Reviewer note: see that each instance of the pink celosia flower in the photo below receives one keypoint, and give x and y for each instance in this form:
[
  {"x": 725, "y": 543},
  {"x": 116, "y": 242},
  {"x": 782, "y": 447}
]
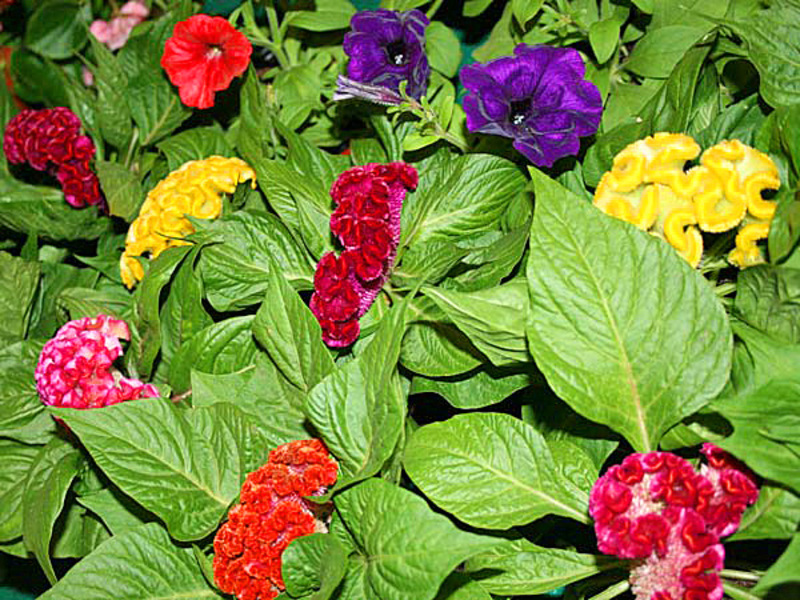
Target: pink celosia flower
[
  {"x": 271, "y": 513},
  {"x": 115, "y": 32},
  {"x": 657, "y": 509},
  {"x": 50, "y": 140},
  {"x": 76, "y": 369},
  {"x": 366, "y": 221}
]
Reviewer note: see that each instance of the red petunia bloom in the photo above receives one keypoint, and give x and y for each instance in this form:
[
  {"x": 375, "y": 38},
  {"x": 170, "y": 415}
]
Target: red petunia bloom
[{"x": 203, "y": 56}]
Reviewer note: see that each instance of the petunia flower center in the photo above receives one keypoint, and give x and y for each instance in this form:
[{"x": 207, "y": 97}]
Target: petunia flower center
[
  {"x": 214, "y": 50},
  {"x": 397, "y": 53},
  {"x": 519, "y": 111}
]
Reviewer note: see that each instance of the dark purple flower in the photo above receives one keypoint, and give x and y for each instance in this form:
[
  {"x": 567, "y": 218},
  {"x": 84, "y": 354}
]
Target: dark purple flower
[
  {"x": 538, "y": 97},
  {"x": 386, "y": 47}
]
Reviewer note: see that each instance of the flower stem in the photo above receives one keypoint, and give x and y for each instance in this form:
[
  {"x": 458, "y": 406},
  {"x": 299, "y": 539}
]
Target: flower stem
[
  {"x": 434, "y": 7},
  {"x": 736, "y": 592},
  {"x": 131, "y": 146},
  {"x": 276, "y": 35},
  {"x": 613, "y": 591},
  {"x": 735, "y": 575}
]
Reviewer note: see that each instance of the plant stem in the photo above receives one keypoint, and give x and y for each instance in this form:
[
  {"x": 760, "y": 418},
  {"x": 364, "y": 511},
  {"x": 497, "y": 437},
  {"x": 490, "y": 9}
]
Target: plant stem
[
  {"x": 737, "y": 593},
  {"x": 434, "y": 7},
  {"x": 612, "y": 592},
  {"x": 277, "y": 36},
  {"x": 739, "y": 575},
  {"x": 131, "y": 146}
]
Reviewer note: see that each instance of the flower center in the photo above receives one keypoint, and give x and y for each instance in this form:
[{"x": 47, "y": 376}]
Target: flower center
[
  {"x": 520, "y": 110},
  {"x": 396, "y": 51},
  {"x": 214, "y": 50}
]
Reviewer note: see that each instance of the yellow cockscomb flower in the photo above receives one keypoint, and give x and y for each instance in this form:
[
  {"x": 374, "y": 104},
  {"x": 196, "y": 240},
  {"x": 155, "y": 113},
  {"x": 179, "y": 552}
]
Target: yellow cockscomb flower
[
  {"x": 194, "y": 189},
  {"x": 647, "y": 186}
]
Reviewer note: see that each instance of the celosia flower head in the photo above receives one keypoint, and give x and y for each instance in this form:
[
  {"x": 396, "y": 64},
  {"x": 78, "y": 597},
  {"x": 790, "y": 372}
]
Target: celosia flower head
[
  {"x": 50, "y": 140},
  {"x": 385, "y": 48},
  {"x": 76, "y": 369},
  {"x": 369, "y": 200},
  {"x": 203, "y": 56},
  {"x": 271, "y": 513},
  {"x": 115, "y": 32},
  {"x": 648, "y": 187},
  {"x": 194, "y": 189},
  {"x": 538, "y": 97},
  {"x": 657, "y": 508}
]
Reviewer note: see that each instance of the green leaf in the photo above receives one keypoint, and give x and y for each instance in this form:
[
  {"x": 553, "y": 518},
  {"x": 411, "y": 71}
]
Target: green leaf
[
  {"x": 236, "y": 272},
  {"x": 23, "y": 417},
  {"x": 113, "y": 114},
  {"x": 117, "y": 511},
  {"x": 146, "y": 565},
  {"x": 493, "y": 319},
  {"x": 46, "y": 487},
  {"x": 775, "y": 51},
  {"x": 37, "y": 79},
  {"x": 313, "y": 562},
  {"x": 476, "y": 389},
  {"x": 406, "y": 549},
  {"x": 329, "y": 15},
  {"x": 17, "y": 460},
  {"x": 154, "y": 454},
  {"x": 775, "y": 515},
  {"x": 513, "y": 477},
  {"x": 525, "y": 10},
  {"x": 443, "y": 49},
  {"x": 603, "y": 36},
  {"x": 155, "y": 107},
  {"x": 460, "y": 587},
  {"x": 768, "y": 298},
  {"x": 520, "y": 568},
  {"x": 785, "y": 570},
  {"x": 18, "y": 281},
  {"x": 56, "y": 30},
  {"x": 223, "y": 347},
  {"x": 624, "y": 330},
  {"x": 86, "y": 302},
  {"x": 657, "y": 53},
  {"x": 77, "y": 533},
  {"x": 472, "y": 8},
  {"x": 194, "y": 144},
  {"x": 121, "y": 188},
  {"x": 291, "y": 335}
]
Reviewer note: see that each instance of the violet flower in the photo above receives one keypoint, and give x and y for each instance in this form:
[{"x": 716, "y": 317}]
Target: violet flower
[
  {"x": 538, "y": 97},
  {"x": 385, "y": 48}
]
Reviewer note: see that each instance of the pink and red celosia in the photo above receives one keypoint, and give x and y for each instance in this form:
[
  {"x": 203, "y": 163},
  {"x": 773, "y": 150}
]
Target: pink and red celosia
[
  {"x": 203, "y": 56},
  {"x": 115, "y": 32},
  {"x": 271, "y": 513},
  {"x": 656, "y": 508},
  {"x": 369, "y": 200},
  {"x": 50, "y": 140},
  {"x": 76, "y": 367}
]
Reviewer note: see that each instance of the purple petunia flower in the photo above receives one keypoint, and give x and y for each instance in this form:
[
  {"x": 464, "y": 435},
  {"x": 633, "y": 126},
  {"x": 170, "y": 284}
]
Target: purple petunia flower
[
  {"x": 538, "y": 97},
  {"x": 385, "y": 48}
]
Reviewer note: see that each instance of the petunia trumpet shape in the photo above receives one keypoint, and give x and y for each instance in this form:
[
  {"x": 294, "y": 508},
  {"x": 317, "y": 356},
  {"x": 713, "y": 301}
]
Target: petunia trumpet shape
[
  {"x": 538, "y": 97},
  {"x": 271, "y": 513},
  {"x": 76, "y": 367}
]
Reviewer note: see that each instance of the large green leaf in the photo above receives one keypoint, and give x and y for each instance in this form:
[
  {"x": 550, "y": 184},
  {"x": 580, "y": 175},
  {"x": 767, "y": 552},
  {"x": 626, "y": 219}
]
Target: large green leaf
[
  {"x": 475, "y": 389},
  {"x": 406, "y": 549},
  {"x": 113, "y": 114},
  {"x": 194, "y": 144},
  {"x": 520, "y": 568},
  {"x": 121, "y": 188},
  {"x": 313, "y": 565},
  {"x": 290, "y": 333},
  {"x": 158, "y": 457},
  {"x": 775, "y": 515},
  {"x": 23, "y": 416},
  {"x": 141, "y": 563},
  {"x": 785, "y": 570},
  {"x": 514, "y": 477},
  {"x": 115, "y": 509},
  {"x": 57, "y": 29},
  {"x": 623, "y": 329},
  {"x": 768, "y": 298},
  {"x": 45, "y": 490},
  {"x": 17, "y": 460},
  {"x": 18, "y": 281}
]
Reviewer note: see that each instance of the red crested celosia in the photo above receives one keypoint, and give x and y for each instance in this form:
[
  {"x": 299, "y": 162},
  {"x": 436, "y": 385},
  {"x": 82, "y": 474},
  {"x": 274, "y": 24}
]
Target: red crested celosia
[
  {"x": 76, "y": 369},
  {"x": 203, "y": 56},
  {"x": 657, "y": 509},
  {"x": 50, "y": 140},
  {"x": 272, "y": 512},
  {"x": 369, "y": 200}
]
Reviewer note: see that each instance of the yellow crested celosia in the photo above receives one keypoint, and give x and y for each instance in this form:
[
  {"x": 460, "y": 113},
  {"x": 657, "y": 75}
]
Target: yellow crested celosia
[
  {"x": 648, "y": 187},
  {"x": 194, "y": 189}
]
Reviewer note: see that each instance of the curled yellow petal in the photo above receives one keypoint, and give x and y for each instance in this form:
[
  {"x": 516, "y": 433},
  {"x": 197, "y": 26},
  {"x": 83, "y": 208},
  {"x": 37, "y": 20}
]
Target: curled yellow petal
[
  {"x": 716, "y": 210},
  {"x": 194, "y": 189},
  {"x": 683, "y": 236},
  {"x": 747, "y": 253}
]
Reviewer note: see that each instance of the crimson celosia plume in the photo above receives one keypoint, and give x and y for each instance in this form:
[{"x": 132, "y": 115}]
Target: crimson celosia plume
[
  {"x": 272, "y": 512},
  {"x": 369, "y": 200},
  {"x": 76, "y": 367},
  {"x": 50, "y": 140}
]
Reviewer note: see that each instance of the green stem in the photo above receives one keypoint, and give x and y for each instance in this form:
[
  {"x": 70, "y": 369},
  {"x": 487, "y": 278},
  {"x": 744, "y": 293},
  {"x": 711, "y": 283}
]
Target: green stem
[
  {"x": 275, "y": 31},
  {"x": 739, "y": 575},
  {"x": 434, "y": 7},
  {"x": 612, "y": 592},
  {"x": 131, "y": 146},
  {"x": 737, "y": 593}
]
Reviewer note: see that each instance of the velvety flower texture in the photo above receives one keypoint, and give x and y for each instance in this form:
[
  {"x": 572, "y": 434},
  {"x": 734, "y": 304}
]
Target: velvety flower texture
[
  {"x": 272, "y": 512},
  {"x": 538, "y": 97},
  {"x": 656, "y": 508},
  {"x": 76, "y": 369},
  {"x": 203, "y": 56},
  {"x": 385, "y": 48},
  {"x": 50, "y": 140},
  {"x": 366, "y": 221},
  {"x": 115, "y": 32}
]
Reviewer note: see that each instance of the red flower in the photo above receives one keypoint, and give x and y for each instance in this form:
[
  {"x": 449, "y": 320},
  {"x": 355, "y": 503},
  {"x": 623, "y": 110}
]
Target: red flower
[{"x": 203, "y": 56}]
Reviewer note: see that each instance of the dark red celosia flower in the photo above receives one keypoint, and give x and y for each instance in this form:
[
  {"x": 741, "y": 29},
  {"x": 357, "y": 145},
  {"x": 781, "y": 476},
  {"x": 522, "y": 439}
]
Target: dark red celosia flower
[
  {"x": 203, "y": 56},
  {"x": 50, "y": 140},
  {"x": 271, "y": 513},
  {"x": 735, "y": 489},
  {"x": 369, "y": 200}
]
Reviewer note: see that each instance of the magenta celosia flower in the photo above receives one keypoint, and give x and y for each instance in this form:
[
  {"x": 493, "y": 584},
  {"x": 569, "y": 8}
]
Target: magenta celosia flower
[
  {"x": 538, "y": 97},
  {"x": 115, "y": 32},
  {"x": 76, "y": 367},
  {"x": 657, "y": 509},
  {"x": 50, "y": 140},
  {"x": 366, "y": 221},
  {"x": 385, "y": 48}
]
